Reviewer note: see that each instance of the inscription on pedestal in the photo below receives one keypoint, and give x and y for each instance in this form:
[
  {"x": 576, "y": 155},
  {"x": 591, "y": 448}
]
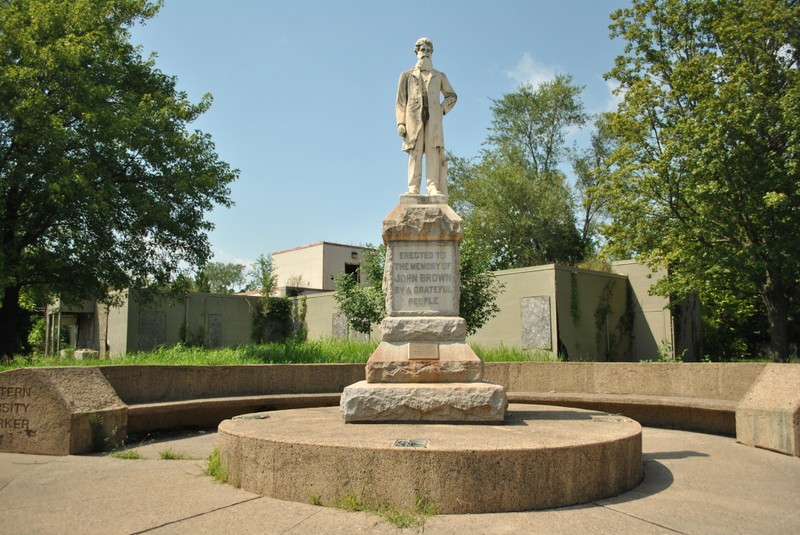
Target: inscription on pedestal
[
  {"x": 423, "y": 351},
  {"x": 424, "y": 277},
  {"x": 14, "y": 404}
]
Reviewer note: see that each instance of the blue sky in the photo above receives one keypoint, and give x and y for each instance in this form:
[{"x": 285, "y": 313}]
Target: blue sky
[{"x": 304, "y": 97}]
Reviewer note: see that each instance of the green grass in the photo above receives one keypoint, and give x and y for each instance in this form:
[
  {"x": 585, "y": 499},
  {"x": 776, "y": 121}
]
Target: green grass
[
  {"x": 511, "y": 354},
  {"x": 316, "y": 352},
  {"x": 400, "y": 518},
  {"x": 171, "y": 455},
  {"x": 216, "y": 468},
  {"x": 128, "y": 455}
]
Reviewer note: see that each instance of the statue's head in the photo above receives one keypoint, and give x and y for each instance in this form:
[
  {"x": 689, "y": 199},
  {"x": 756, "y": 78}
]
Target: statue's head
[{"x": 423, "y": 42}]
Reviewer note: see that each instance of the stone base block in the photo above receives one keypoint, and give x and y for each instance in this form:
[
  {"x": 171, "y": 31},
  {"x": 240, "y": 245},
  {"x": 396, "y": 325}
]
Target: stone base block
[
  {"x": 769, "y": 414},
  {"x": 439, "y": 402},
  {"x": 450, "y": 362},
  {"x": 407, "y": 329}
]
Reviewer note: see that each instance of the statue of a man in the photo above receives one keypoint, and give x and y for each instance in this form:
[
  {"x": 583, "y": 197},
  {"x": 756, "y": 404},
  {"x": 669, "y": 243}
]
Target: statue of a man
[{"x": 419, "y": 120}]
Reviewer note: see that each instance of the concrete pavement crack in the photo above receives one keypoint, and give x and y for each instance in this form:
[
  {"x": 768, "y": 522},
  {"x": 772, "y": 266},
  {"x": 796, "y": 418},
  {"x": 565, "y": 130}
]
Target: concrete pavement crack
[
  {"x": 176, "y": 521},
  {"x": 640, "y": 519}
]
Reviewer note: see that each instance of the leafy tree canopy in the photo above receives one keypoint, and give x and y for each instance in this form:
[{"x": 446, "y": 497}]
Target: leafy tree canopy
[
  {"x": 232, "y": 277},
  {"x": 220, "y": 277},
  {"x": 706, "y": 168},
  {"x": 517, "y": 205},
  {"x": 102, "y": 184}
]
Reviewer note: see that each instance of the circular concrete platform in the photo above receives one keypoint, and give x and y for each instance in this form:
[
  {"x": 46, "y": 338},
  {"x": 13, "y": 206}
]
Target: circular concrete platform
[{"x": 541, "y": 457}]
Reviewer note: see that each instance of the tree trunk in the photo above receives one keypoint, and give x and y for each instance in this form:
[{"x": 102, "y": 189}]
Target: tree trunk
[
  {"x": 14, "y": 325},
  {"x": 777, "y": 304}
]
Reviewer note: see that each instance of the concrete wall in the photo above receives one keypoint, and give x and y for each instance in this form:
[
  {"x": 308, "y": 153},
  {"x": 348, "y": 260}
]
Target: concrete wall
[
  {"x": 324, "y": 320},
  {"x": 554, "y": 308},
  {"x": 722, "y": 381},
  {"x": 213, "y": 320},
  {"x": 506, "y": 328},
  {"x": 587, "y": 315},
  {"x": 118, "y": 329},
  {"x": 60, "y": 405},
  {"x": 321, "y": 313},
  {"x": 584, "y": 314},
  {"x": 593, "y": 315},
  {"x": 152, "y": 384},
  {"x": 652, "y": 332}
]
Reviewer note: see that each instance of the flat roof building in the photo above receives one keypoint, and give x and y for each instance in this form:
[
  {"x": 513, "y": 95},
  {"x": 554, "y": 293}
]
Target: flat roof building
[{"x": 312, "y": 268}]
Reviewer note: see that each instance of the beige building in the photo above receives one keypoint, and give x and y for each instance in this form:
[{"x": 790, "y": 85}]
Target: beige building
[{"x": 312, "y": 268}]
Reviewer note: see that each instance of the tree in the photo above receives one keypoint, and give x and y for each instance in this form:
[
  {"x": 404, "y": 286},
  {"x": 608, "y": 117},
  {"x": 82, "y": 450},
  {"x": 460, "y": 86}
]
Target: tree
[
  {"x": 534, "y": 122},
  {"x": 706, "y": 178},
  {"x": 365, "y": 306},
  {"x": 591, "y": 166},
  {"x": 221, "y": 277},
  {"x": 517, "y": 206},
  {"x": 102, "y": 184},
  {"x": 263, "y": 276},
  {"x": 515, "y": 219},
  {"x": 479, "y": 288}
]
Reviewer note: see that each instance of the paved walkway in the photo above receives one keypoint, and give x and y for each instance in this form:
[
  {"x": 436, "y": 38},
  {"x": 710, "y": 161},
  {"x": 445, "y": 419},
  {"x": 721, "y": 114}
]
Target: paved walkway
[{"x": 694, "y": 484}]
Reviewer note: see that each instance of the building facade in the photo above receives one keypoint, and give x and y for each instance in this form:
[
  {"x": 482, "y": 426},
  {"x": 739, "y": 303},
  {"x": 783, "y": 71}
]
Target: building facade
[{"x": 312, "y": 268}]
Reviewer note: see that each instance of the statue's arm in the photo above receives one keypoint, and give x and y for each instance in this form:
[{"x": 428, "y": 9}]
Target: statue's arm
[
  {"x": 400, "y": 106},
  {"x": 449, "y": 95}
]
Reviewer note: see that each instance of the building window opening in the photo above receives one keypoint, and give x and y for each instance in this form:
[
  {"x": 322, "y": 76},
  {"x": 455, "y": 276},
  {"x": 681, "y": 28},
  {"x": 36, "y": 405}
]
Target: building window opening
[{"x": 353, "y": 271}]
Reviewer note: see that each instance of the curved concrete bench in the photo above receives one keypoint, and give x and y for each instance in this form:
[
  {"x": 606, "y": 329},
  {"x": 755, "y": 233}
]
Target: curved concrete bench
[
  {"x": 695, "y": 397},
  {"x": 209, "y": 412},
  {"x": 690, "y": 414},
  {"x": 166, "y": 397},
  {"x": 67, "y": 410}
]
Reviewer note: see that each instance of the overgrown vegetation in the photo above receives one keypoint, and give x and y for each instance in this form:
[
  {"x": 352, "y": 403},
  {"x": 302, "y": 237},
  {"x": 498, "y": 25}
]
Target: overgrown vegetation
[
  {"x": 130, "y": 455},
  {"x": 171, "y": 455},
  {"x": 272, "y": 319},
  {"x": 400, "y": 518},
  {"x": 215, "y": 467},
  {"x": 290, "y": 352}
]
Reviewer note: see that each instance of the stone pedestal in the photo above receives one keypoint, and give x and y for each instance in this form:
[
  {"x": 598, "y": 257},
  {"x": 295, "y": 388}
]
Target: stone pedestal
[{"x": 423, "y": 340}]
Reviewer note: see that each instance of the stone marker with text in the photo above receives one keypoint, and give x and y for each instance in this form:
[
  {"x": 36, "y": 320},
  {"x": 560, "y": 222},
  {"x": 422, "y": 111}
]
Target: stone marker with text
[{"x": 423, "y": 339}]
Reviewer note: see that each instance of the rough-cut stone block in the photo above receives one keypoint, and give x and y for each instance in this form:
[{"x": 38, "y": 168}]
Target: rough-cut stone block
[
  {"x": 437, "y": 402},
  {"x": 422, "y": 222},
  {"x": 769, "y": 414},
  {"x": 427, "y": 328},
  {"x": 58, "y": 411},
  {"x": 456, "y": 363}
]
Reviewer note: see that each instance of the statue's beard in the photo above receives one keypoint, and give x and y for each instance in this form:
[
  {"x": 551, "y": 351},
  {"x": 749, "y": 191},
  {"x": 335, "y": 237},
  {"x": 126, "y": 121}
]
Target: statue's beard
[{"x": 425, "y": 64}]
